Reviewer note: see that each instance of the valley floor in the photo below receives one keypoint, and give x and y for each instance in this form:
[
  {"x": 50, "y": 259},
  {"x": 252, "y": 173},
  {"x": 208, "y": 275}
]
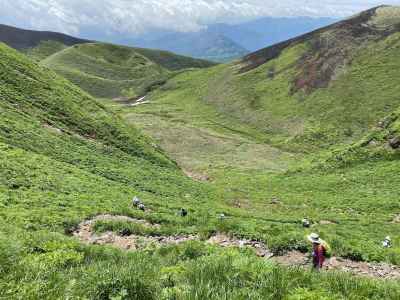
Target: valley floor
[
  {"x": 264, "y": 200},
  {"x": 70, "y": 168}
]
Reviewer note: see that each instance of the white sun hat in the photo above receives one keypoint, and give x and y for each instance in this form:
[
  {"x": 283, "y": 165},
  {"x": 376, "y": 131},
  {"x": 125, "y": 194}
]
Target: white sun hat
[{"x": 314, "y": 238}]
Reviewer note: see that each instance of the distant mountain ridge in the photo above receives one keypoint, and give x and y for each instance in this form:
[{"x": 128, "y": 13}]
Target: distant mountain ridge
[
  {"x": 22, "y": 38},
  {"x": 223, "y": 42},
  {"x": 263, "y": 32},
  {"x": 219, "y": 42},
  {"x": 204, "y": 44}
]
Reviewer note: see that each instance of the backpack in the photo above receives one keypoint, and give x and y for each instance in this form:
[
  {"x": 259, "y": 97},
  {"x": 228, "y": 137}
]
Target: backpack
[{"x": 327, "y": 249}]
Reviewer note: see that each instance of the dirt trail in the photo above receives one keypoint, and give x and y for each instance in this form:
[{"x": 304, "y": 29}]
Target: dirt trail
[
  {"x": 376, "y": 270},
  {"x": 196, "y": 176},
  {"x": 85, "y": 233}
]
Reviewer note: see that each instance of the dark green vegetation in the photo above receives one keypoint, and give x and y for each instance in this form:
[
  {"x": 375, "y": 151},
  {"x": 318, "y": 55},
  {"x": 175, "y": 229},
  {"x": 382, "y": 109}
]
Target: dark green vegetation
[
  {"x": 65, "y": 157},
  {"x": 22, "y": 39},
  {"x": 44, "y": 50},
  {"x": 103, "y": 70},
  {"x": 110, "y": 71}
]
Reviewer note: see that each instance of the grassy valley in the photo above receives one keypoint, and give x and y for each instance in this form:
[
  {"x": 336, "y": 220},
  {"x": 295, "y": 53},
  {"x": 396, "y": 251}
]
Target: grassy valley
[
  {"x": 103, "y": 70},
  {"x": 304, "y": 129},
  {"x": 109, "y": 71}
]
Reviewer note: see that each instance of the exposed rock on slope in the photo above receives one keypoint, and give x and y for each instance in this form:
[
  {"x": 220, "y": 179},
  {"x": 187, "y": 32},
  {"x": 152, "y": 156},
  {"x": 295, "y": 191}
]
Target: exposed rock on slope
[{"x": 331, "y": 47}]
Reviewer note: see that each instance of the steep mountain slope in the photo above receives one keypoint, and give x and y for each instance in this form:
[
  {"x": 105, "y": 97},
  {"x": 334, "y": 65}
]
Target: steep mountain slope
[
  {"x": 230, "y": 126},
  {"x": 263, "y": 32},
  {"x": 103, "y": 70},
  {"x": 60, "y": 148},
  {"x": 206, "y": 45},
  {"x": 110, "y": 71},
  {"x": 65, "y": 158},
  {"x": 320, "y": 89},
  {"x": 22, "y": 39},
  {"x": 70, "y": 166},
  {"x": 382, "y": 142}
]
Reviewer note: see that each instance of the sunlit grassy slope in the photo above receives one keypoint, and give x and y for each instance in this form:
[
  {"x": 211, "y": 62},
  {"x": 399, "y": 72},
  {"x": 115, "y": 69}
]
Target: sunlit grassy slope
[
  {"x": 109, "y": 71},
  {"x": 326, "y": 88},
  {"x": 44, "y": 50},
  {"x": 207, "y": 122},
  {"x": 65, "y": 157}
]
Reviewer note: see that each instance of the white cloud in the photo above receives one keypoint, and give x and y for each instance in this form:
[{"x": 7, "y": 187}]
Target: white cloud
[{"x": 137, "y": 16}]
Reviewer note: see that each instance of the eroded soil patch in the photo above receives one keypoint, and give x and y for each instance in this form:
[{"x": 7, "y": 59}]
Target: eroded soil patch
[
  {"x": 196, "y": 176},
  {"x": 227, "y": 241},
  {"x": 86, "y": 234}
]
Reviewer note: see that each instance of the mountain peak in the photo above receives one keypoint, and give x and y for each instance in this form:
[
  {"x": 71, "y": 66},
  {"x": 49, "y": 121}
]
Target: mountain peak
[{"x": 330, "y": 48}]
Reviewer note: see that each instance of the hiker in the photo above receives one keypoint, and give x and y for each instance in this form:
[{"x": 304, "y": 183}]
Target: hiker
[
  {"x": 387, "y": 242},
  {"x": 142, "y": 207},
  {"x": 306, "y": 223},
  {"x": 319, "y": 251},
  {"x": 183, "y": 212},
  {"x": 136, "y": 201},
  {"x": 222, "y": 216}
]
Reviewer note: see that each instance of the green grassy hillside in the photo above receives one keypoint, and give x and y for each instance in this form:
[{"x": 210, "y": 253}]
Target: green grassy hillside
[
  {"x": 325, "y": 88},
  {"x": 110, "y": 71},
  {"x": 242, "y": 134},
  {"x": 44, "y": 50},
  {"x": 106, "y": 70},
  {"x": 64, "y": 158},
  {"x": 242, "y": 130}
]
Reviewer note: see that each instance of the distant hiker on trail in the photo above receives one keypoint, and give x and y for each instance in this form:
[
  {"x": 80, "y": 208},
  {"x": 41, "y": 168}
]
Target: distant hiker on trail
[
  {"x": 183, "y": 212},
  {"x": 306, "y": 223},
  {"x": 387, "y": 242},
  {"x": 320, "y": 249},
  {"x": 136, "y": 201},
  {"x": 142, "y": 207}
]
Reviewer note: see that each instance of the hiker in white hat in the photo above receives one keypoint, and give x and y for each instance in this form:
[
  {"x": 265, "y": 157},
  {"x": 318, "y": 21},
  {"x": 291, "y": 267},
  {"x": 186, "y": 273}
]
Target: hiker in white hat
[
  {"x": 319, "y": 251},
  {"x": 387, "y": 242}
]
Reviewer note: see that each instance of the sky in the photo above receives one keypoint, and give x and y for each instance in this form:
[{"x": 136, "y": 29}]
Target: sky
[{"x": 137, "y": 17}]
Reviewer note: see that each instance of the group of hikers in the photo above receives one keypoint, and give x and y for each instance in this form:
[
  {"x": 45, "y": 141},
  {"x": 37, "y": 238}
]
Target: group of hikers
[{"x": 320, "y": 248}]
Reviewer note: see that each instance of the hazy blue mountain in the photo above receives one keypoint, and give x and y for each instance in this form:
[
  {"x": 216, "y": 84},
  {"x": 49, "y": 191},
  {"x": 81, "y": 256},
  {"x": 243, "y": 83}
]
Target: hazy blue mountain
[
  {"x": 223, "y": 42},
  {"x": 264, "y": 32},
  {"x": 203, "y": 44},
  {"x": 219, "y": 42}
]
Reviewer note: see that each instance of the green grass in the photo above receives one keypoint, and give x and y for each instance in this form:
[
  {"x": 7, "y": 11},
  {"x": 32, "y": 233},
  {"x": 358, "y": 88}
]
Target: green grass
[
  {"x": 245, "y": 170},
  {"x": 173, "y": 62},
  {"x": 44, "y": 50},
  {"x": 65, "y": 157},
  {"x": 110, "y": 71},
  {"x": 49, "y": 266},
  {"x": 305, "y": 121},
  {"x": 106, "y": 70}
]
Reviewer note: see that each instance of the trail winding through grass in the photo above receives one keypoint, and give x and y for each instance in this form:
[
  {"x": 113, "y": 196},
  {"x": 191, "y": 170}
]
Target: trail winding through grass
[{"x": 85, "y": 233}]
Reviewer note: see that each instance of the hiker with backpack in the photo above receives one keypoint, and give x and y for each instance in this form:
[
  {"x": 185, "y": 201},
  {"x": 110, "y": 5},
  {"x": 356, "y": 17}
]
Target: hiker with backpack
[{"x": 320, "y": 251}]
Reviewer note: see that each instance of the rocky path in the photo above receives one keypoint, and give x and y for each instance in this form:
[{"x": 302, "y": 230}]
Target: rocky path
[
  {"x": 85, "y": 233},
  {"x": 377, "y": 270}
]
